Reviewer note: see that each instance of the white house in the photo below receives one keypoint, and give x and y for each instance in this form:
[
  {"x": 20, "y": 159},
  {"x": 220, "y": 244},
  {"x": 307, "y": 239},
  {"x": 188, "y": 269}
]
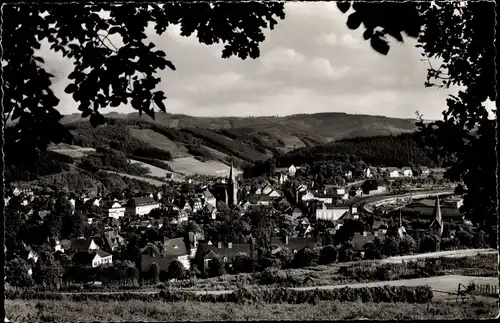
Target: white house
[
  {"x": 340, "y": 191},
  {"x": 267, "y": 190},
  {"x": 138, "y": 206},
  {"x": 283, "y": 178},
  {"x": 308, "y": 196},
  {"x": 407, "y": 172},
  {"x": 101, "y": 257},
  {"x": 292, "y": 170},
  {"x": 114, "y": 210},
  {"x": 209, "y": 198},
  {"x": 367, "y": 172},
  {"x": 393, "y": 172},
  {"x": 332, "y": 213},
  {"x": 425, "y": 170},
  {"x": 274, "y": 193},
  {"x": 348, "y": 174}
]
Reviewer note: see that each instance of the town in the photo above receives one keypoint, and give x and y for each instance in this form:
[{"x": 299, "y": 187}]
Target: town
[{"x": 207, "y": 229}]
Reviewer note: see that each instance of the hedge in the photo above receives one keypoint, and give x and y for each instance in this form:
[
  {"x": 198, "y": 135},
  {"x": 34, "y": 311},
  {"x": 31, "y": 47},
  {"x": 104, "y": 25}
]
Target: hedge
[{"x": 384, "y": 294}]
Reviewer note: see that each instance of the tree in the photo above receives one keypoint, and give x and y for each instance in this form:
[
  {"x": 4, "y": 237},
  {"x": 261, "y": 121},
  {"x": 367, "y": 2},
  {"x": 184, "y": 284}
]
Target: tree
[
  {"x": 429, "y": 244},
  {"x": 16, "y": 272},
  {"x": 243, "y": 264},
  {"x": 216, "y": 267},
  {"x": 154, "y": 273},
  {"x": 91, "y": 41},
  {"x": 407, "y": 246},
  {"x": 327, "y": 255},
  {"x": 46, "y": 271},
  {"x": 390, "y": 246},
  {"x": 176, "y": 270},
  {"x": 371, "y": 251},
  {"x": 305, "y": 257}
]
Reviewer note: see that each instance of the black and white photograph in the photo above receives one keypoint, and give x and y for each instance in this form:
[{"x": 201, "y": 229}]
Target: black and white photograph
[{"x": 249, "y": 161}]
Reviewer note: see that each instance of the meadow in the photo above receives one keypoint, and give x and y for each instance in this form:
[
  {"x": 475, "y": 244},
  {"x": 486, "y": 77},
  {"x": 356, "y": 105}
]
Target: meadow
[{"x": 156, "y": 311}]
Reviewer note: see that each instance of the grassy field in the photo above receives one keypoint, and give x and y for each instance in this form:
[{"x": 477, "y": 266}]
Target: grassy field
[
  {"x": 159, "y": 141},
  {"x": 63, "y": 311},
  {"x": 190, "y": 166},
  {"x": 144, "y": 179},
  {"x": 153, "y": 170}
]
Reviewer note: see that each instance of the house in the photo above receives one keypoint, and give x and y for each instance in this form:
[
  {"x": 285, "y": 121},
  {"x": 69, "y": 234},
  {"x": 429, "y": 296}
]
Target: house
[
  {"x": 112, "y": 241},
  {"x": 293, "y": 244},
  {"x": 274, "y": 193},
  {"x": 196, "y": 204},
  {"x": 79, "y": 245},
  {"x": 94, "y": 258},
  {"x": 138, "y": 206},
  {"x": 297, "y": 213},
  {"x": 453, "y": 202},
  {"x": 292, "y": 170},
  {"x": 308, "y": 196},
  {"x": 425, "y": 170},
  {"x": 171, "y": 249},
  {"x": 324, "y": 197},
  {"x": 331, "y": 213},
  {"x": 114, "y": 209},
  {"x": 393, "y": 172},
  {"x": 210, "y": 211},
  {"x": 424, "y": 208},
  {"x": 348, "y": 174},
  {"x": 283, "y": 178},
  {"x": 23, "y": 190},
  {"x": 229, "y": 251},
  {"x": 368, "y": 172},
  {"x": 407, "y": 172},
  {"x": 209, "y": 198},
  {"x": 359, "y": 240},
  {"x": 340, "y": 191}
]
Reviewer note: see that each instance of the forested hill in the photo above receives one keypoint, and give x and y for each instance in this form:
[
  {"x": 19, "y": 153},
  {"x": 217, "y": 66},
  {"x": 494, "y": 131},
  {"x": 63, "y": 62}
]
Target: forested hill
[
  {"x": 390, "y": 151},
  {"x": 293, "y": 129}
]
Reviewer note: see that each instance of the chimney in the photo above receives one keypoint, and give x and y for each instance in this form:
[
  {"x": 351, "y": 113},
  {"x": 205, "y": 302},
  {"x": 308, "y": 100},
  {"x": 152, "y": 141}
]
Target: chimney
[
  {"x": 219, "y": 245},
  {"x": 230, "y": 245}
]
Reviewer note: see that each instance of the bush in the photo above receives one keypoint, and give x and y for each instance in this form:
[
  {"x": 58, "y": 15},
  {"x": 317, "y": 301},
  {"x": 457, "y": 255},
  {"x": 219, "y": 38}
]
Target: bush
[
  {"x": 384, "y": 294},
  {"x": 327, "y": 255}
]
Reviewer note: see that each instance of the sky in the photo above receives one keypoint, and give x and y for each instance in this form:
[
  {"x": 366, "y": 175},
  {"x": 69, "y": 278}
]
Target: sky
[{"x": 311, "y": 62}]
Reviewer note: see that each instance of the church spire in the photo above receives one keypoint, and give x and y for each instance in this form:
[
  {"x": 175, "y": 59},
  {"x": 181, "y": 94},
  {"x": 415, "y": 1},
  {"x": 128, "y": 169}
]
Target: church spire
[{"x": 437, "y": 211}]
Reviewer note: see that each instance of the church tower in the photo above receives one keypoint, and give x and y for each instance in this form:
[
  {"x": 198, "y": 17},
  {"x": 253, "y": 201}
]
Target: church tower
[
  {"x": 232, "y": 188},
  {"x": 436, "y": 226}
]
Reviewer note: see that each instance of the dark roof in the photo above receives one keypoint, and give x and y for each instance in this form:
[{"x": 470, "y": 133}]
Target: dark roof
[
  {"x": 207, "y": 194},
  {"x": 163, "y": 261},
  {"x": 102, "y": 253},
  {"x": 358, "y": 241},
  {"x": 80, "y": 244},
  {"x": 142, "y": 201},
  {"x": 175, "y": 247},
  {"x": 225, "y": 251},
  {"x": 296, "y": 243}
]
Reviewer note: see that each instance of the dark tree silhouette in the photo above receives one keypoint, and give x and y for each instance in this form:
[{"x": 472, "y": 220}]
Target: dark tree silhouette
[{"x": 83, "y": 36}]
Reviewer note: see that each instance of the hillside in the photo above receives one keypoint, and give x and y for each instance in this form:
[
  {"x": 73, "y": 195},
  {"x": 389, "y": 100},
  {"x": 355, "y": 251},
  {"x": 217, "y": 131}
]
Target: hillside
[
  {"x": 183, "y": 146},
  {"x": 294, "y": 129}
]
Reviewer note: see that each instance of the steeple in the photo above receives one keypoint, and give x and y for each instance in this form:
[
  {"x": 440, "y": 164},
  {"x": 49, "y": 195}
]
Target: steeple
[
  {"x": 232, "y": 187},
  {"x": 437, "y": 222},
  {"x": 437, "y": 211}
]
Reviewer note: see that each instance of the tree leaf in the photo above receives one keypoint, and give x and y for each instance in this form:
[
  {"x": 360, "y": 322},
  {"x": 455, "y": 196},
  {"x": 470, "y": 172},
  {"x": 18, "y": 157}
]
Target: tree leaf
[
  {"x": 343, "y": 6},
  {"x": 170, "y": 64},
  {"x": 380, "y": 45},
  {"x": 354, "y": 20},
  {"x": 71, "y": 88},
  {"x": 160, "y": 53},
  {"x": 159, "y": 103},
  {"x": 368, "y": 34}
]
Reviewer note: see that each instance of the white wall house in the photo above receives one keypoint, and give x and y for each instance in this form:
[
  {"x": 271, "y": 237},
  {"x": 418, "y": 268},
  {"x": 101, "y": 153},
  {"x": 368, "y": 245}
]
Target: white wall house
[
  {"x": 141, "y": 206},
  {"x": 332, "y": 213},
  {"x": 308, "y": 196},
  {"x": 115, "y": 210},
  {"x": 101, "y": 258},
  {"x": 292, "y": 170},
  {"x": 368, "y": 173},
  {"x": 394, "y": 173},
  {"x": 407, "y": 172}
]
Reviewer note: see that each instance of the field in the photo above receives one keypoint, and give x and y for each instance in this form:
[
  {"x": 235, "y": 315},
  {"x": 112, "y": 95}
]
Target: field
[
  {"x": 190, "y": 166},
  {"x": 144, "y": 179},
  {"x": 71, "y": 150},
  {"x": 139, "y": 311},
  {"x": 159, "y": 141},
  {"x": 153, "y": 170}
]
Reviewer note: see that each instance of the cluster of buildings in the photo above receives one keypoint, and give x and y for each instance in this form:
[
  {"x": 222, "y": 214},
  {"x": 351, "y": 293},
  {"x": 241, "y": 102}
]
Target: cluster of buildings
[{"x": 122, "y": 215}]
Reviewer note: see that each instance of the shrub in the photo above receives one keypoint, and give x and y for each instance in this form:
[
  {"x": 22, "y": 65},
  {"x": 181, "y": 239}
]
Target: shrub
[{"x": 327, "y": 255}]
